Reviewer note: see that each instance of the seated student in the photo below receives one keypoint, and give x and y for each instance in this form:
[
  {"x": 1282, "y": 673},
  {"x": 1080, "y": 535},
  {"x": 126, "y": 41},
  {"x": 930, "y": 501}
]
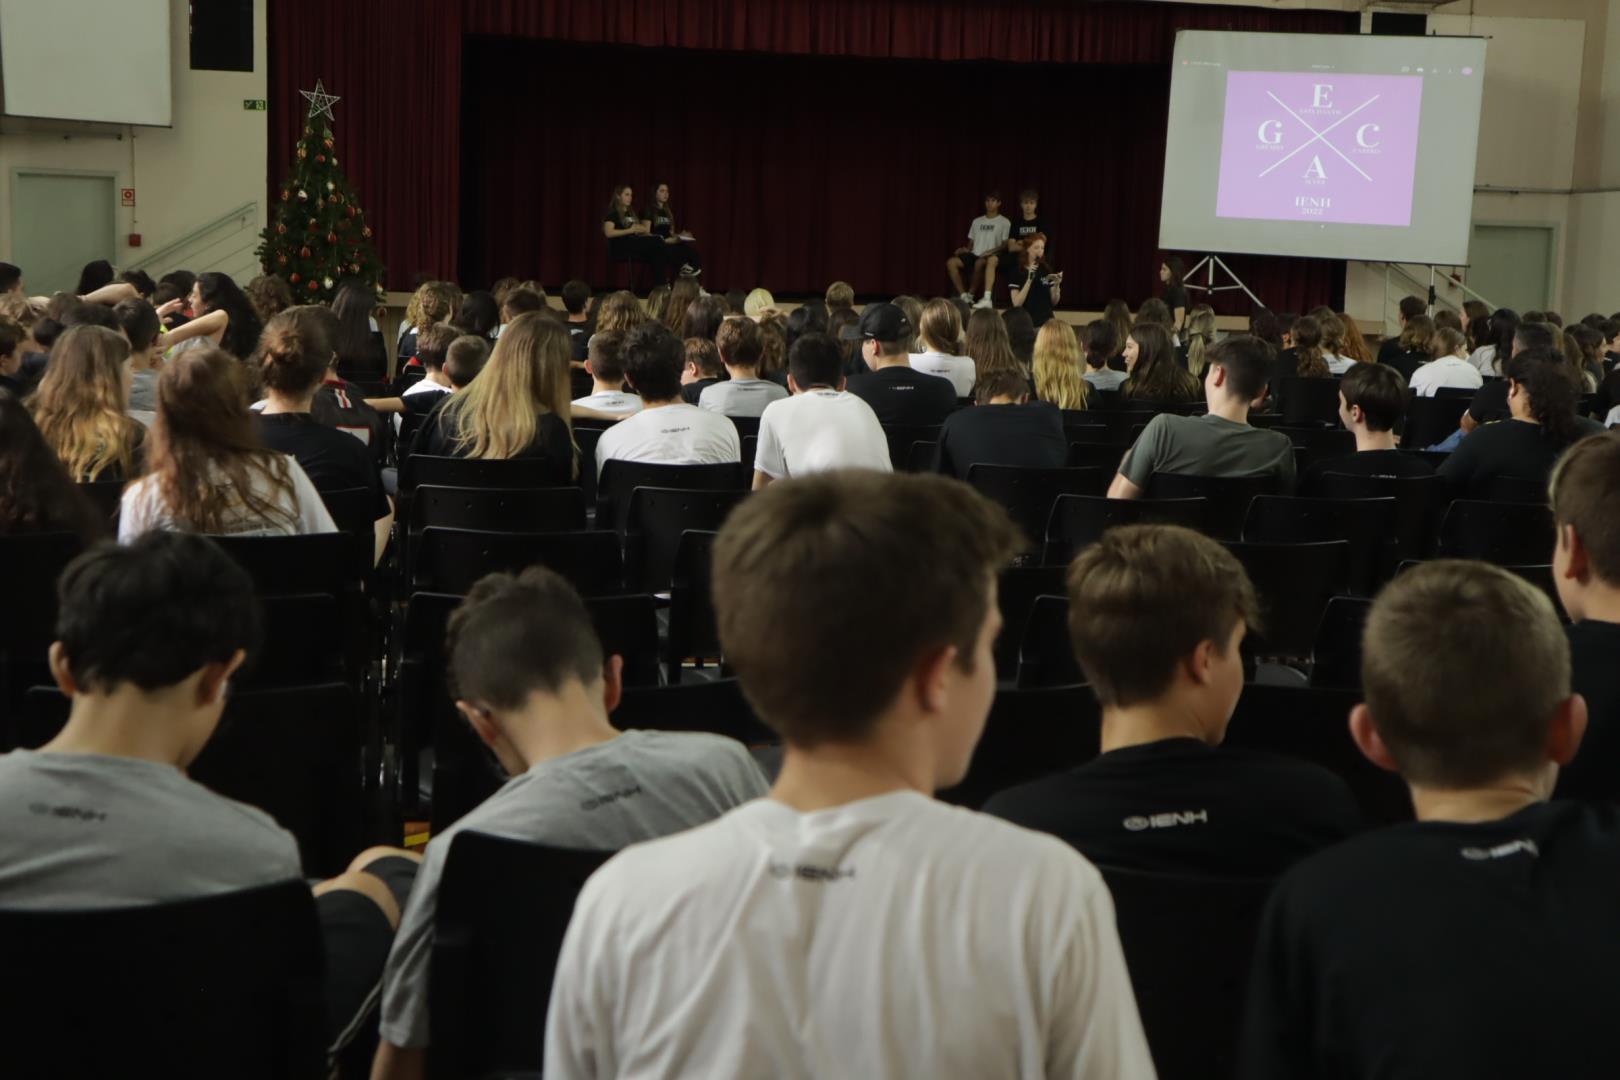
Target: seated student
[
  {"x": 700, "y": 369},
  {"x": 987, "y": 237},
  {"x": 449, "y": 361},
  {"x": 531, "y": 680},
  {"x": 81, "y": 406},
  {"x": 1416, "y": 346},
  {"x": 822, "y": 426},
  {"x": 1333, "y": 341},
  {"x": 840, "y": 297},
  {"x": 1586, "y": 566},
  {"x": 148, "y": 637},
  {"x": 361, "y": 353},
  {"x": 1028, "y": 223},
  {"x": 1406, "y": 952},
  {"x": 433, "y": 303},
  {"x": 1449, "y": 367},
  {"x": 206, "y": 469},
  {"x": 1491, "y": 402},
  {"x": 784, "y": 934},
  {"x": 1542, "y": 425},
  {"x": 339, "y": 403},
  {"x": 1220, "y": 443},
  {"x": 1058, "y": 368},
  {"x": 1102, "y": 346},
  {"x": 736, "y": 298},
  {"x": 520, "y": 301},
  {"x": 897, "y": 394},
  {"x": 1372, "y": 400},
  {"x": 1391, "y": 347},
  {"x": 744, "y": 393},
  {"x": 1307, "y": 358},
  {"x": 36, "y": 493},
  {"x": 1152, "y": 372},
  {"x": 668, "y": 429},
  {"x": 1004, "y": 428},
  {"x": 12, "y": 336},
  {"x": 518, "y": 406},
  {"x": 292, "y": 359},
  {"x": 940, "y": 332},
  {"x": 1157, "y": 614},
  {"x": 605, "y": 362},
  {"x": 142, "y": 329},
  {"x": 576, "y": 298},
  {"x": 221, "y": 315}
]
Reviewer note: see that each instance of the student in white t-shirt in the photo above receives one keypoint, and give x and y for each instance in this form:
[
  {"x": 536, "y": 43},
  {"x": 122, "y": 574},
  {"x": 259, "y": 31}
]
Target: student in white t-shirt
[
  {"x": 1449, "y": 368},
  {"x": 740, "y": 348},
  {"x": 850, "y": 925},
  {"x": 987, "y": 237},
  {"x": 822, "y": 426},
  {"x": 940, "y": 329},
  {"x": 667, "y": 430},
  {"x": 604, "y": 359}
]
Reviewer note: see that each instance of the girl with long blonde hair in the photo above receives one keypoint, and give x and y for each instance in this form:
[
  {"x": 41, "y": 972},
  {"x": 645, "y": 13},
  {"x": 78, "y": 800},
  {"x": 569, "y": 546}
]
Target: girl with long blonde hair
[
  {"x": 1058, "y": 376},
  {"x": 80, "y": 405},
  {"x": 518, "y": 407},
  {"x": 1198, "y": 334}
]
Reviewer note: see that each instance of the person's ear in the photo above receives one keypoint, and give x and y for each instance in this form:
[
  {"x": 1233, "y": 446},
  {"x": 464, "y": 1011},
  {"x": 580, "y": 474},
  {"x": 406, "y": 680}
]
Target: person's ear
[
  {"x": 930, "y": 678},
  {"x": 1566, "y": 729},
  {"x": 1200, "y": 663},
  {"x": 1371, "y": 744},
  {"x": 1579, "y": 562},
  {"x": 61, "y": 670},
  {"x": 216, "y": 679},
  {"x": 842, "y": 381},
  {"x": 612, "y": 681},
  {"x": 590, "y": 368},
  {"x": 1219, "y": 374},
  {"x": 481, "y": 721},
  {"x": 793, "y": 385}
]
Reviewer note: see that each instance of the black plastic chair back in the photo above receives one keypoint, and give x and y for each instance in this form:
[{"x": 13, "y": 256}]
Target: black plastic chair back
[
  {"x": 106, "y": 496},
  {"x": 1430, "y": 420},
  {"x": 474, "y": 472},
  {"x": 1517, "y": 489},
  {"x": 1417, "y": 504},
  {"x": 1105, "y": 456},
  {"x": 923, "y": 457},
  {"x": 1309, "y": 402},
  {"x": 33, "y": 562},
  {"x": 1294, "y": 583},
  {"x": 692, "y": 633},
  {"x": 1229, "y": 496},
  {"x": 1367, "y": 525},
  {"x": 503, "y": 907},
  {"x": 226, "y": 985},
  {"x": 750, "y": 449},
  {"x": 1029, "y": 494},
  {"x": 1045, "y": 655},
  {"x": 747, "y": 426},
  {"x": 656, "y": 520},
  {"x": 302, "y": 643},
  {"x": 1029, "y": 734},
  {"x": 498, "y": 509},
  {"x": 1188, "y": 943},
  {"x": 1336, "y": 656},
  {"x": 627, "y": 626},
  {"x": 1079, "y": 521},
  {"x": 452, "y": 560},
  {"x": 354, "y": 511},
  {"x": 1016, "y": 592},
  {"x": 901, "y": 436},
  {"x": 586, "y": 439},
  {"x": 619, "y": 478},
  {"x": 1084, "y": 426},
  {"x": 331, "y": 563},
  {"x": 1315, "y": 444},
  {"x": 1508, "y": 534}
]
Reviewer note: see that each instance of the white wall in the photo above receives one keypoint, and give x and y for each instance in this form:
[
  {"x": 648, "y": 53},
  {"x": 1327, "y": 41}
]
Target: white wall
[{"x": 210, "y": 162}]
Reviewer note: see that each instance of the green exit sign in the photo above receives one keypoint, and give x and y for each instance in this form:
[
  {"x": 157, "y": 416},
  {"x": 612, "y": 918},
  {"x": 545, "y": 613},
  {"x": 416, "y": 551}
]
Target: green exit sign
[{"x": 253, "y": 104}]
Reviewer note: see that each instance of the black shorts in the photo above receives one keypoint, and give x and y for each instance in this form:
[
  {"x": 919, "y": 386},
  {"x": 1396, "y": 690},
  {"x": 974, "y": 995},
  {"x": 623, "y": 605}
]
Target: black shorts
[{"x": 357, "y": 938}]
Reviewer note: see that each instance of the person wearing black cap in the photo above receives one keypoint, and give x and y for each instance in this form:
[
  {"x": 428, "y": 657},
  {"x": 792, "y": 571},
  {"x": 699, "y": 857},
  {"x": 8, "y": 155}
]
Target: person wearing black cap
[
  {"x": 897, "y": 394},
  {"x": 821, "y": 427}
]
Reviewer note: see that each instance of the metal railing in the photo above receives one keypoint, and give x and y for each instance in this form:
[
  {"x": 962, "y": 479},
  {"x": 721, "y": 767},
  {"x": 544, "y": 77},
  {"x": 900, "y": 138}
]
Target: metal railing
[
  {"x": 225, "y": 244},
  {"x": 1400, "y": 281}
]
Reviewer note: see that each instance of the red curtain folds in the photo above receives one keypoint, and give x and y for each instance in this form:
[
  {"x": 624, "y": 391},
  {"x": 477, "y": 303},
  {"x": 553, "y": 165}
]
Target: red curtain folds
[{"x": 399, "y": 67}]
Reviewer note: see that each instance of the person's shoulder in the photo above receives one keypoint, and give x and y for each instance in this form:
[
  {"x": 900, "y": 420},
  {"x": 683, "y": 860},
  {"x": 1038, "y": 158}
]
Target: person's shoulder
[
  {"x": 682, "y": 751},
  {"x": 1308, "y": 777}
]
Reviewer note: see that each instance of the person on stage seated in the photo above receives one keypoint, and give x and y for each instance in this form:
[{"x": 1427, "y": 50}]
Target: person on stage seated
[
  {"x": 1220, "y": 443},
  {"x": 680, "y": 246},
  {"x": 605, "y": 362},
  {"x": 630, "y": 238},
  {"x": 1156, "y": 617},
  {"x": 1004, "y": 428},
  {"x": 744, "y": 393},
  {"x": 987, "y": 239},
  {"x": 1027, "y": 223},
  {"x": 1411, "y": 952},
  {"x": 1372, "y": 400},
  {"x": 668, "y": 430}
]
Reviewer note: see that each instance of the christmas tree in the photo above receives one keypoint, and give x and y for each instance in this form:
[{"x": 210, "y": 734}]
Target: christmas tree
[{"x": 318, "y": 236}]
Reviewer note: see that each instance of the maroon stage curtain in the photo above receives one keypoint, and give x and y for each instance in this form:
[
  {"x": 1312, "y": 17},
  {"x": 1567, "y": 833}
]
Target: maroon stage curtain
[{"x": 746, "y": 189}]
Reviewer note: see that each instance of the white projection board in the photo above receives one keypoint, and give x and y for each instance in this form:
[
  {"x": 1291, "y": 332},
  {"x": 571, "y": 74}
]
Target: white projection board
[
  {"x": 98, "y": 60},
  {"x": 1327, "y": 145}
]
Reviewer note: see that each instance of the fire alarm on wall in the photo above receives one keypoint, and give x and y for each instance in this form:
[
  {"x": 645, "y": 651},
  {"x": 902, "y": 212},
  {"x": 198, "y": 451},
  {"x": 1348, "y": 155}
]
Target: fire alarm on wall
[
  {"x": 134, "y": 239},
  {"x": 126, "y": 196}
]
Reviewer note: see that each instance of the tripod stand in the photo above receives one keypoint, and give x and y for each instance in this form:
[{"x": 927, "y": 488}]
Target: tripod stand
[{"x": 1211, "y": 263}]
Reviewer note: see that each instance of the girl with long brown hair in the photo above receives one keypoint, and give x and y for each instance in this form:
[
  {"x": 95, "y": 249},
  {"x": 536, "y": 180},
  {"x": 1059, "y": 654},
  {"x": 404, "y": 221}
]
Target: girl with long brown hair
[
  {"x": 680, "y": 246},
  {"x": 81, "y": 402},
  {"x": 1309, "y": 362},
  {"x": 1154, "y": 372},
  {"x": 1198, "y": 336},
  {"x": 1058, "y": 375},
  {"x": 681, "y": 295},
  {"x": 1118, "y": 314},
  {"x": 987, "y": 343},
  {"x": 207, "y": 471},
  {"x": 1355, "y": 346},
  {"x": 518, "y": 407}
]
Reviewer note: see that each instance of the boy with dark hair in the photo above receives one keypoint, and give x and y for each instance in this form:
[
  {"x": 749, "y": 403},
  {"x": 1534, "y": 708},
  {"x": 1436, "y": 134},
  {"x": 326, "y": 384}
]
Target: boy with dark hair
[
  {"x": 1585, "y": 493},
  {"x": 520, "y": 301},
  {"x": 103, "y": 815},
  {"x": 576, "y": 298},
  {"x": 668, "y": 429},
  {"x": 1372, "y": 400},
  {"x": 1156, "y": 616},
  {"x": 464, "y": 359},
  {"x": 786, "y": 931},
  {"x": 605, "y": 362},
  {"x": 1004, "y": 428},
  {"x": 744, "y": 393},
  {"x": 12, "y": 335},
  {"x": 896, "y": 393},
  {"x": 735, "y": 298},
  {"x": 1410, "y": 308},
  {"x": 822, "y": 426},
  {"x": 1482, "y": 939},
  {"x": 433, "y": 347},
  {"x": 11, "y": 279},
  {"x": 1220, "y": 443},
  {"x": 530, "y": 677},
  {"x": 701, "y": 370},
  {"x": 1028, "y": 223},
  {"x": 987, "y": 236}
]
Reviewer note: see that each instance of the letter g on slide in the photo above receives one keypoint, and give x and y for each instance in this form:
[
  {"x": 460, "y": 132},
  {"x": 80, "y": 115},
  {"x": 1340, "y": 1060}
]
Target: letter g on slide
[{"x": 1271, "y": 132}]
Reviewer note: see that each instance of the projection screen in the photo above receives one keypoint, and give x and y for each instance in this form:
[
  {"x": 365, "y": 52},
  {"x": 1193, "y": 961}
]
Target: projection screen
[
  {"x": 1333, "y": 146},
  {"x": 96, "y": 60}
]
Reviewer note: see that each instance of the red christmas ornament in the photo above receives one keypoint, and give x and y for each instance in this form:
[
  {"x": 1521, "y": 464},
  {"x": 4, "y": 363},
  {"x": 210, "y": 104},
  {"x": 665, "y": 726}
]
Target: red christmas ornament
[
  {"x": 320, "y": 159},
  {"x": 313, "y": 224},
  {"x": 281, "y": 260},
  {"x": 335, "y": 200},
  {"x": 327, "y": 143},
  {"x": 313, "y": 285},
  {"x": 303, "y": 253},
  {"x": 331, "y": 238},
  {"x": 280, "y": 229},
  {"x": 293, "y": 277},
  {"x": 350, "y": 211},
  {"x": 284, "y": 195},
  {"x": 366, "y": 232}
]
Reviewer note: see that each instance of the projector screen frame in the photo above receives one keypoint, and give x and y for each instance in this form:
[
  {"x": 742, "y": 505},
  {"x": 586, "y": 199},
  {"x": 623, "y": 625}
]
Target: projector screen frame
[
  {"x": 23, "y": 122},
  {"x": 1188, "y": 175}
]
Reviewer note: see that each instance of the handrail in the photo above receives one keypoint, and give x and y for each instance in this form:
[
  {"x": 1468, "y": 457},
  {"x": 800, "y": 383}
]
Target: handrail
[
  {"x": 167, "y": 251},
  {"x": 1400, "y": 269}
]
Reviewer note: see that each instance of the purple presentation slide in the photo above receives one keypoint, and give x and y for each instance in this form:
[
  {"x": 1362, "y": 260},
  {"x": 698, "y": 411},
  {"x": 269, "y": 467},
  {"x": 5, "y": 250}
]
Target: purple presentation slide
[{"x": 1319, "y": 147}]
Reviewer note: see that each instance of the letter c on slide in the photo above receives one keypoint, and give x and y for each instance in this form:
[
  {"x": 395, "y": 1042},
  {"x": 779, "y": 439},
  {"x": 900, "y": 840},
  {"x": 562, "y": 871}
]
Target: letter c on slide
[
  {"x": 1361, "y": 136},
  {"x": 1320, "y": 100},
  {"x": 1271, "y": 132}
]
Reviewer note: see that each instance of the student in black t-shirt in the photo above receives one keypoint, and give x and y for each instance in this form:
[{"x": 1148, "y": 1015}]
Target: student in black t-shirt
[
  {"x": 629, "y": 237},
  {"x": 897, "y": 394},
  {"x": 1586, "y": 567},
  {"x": 576, "y": 298},
  {"x": 1028, "y": 223},
  {"x": 1372, "y": 400},
  {"x": 1171, "y": 272},
  {"x": 342, "y": 405},
  {"x": 1412, "y": 349},
  {"x": 1031, "y": 284},
  {"x": 680, "y": 246},
  {"x": 1490, "y": 402},
  {"x": 1542, "y": 399},
  {"x": 1157, "y": 615},
  {"x": 1391, "y": 347},
  {"x": 1482, "y": 939},
  {"x": 1004, "y": 428},
  {"x": 702, "y": 369},
  {"x": 293, "y": 358}
]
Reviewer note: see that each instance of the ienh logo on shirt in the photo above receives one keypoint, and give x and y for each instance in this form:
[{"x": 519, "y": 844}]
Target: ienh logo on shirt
[
  {"x": 806, "y": 872},
  {"x": 1167, "y": 820}
]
